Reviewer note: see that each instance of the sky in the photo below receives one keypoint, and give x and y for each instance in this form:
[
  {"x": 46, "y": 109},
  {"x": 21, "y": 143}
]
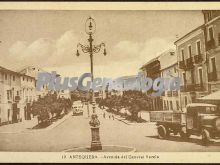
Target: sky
[{"x": 48, "y": 39}]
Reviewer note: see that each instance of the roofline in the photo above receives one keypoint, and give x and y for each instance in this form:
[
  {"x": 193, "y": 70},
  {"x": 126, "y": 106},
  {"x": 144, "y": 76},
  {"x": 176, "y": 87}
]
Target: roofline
[
  {"x": 150, "y": 61},
  {"x": 199, "y": 27},
  {"x": 11, "y": 71},
  {"x": 160, "y": 55},
  {"x": 8, "y": 70}
]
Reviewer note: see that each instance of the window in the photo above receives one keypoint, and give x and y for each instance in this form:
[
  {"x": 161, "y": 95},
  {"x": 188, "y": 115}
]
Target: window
[
  {"x": 171, "y": 105},
  {"x": 210, "y": 33},
  {"x": 17, "y": 93},
  {"x": 184, "y": 78},
  {"x": 182, "y": 54},
  {"x": 8, "y": 94},
  {"x": 190, "y": 50},
  {"x": 13, "y": 78},
  {"x": 23, "y": 78},
  {"x": 165, "y": 107},
  {"x": 177, "y": 105},
  {"x": 6, "y": 77},
  {"x": 185, "y": 100},
  {"x": 198, "y": 46},
  {"x": 200, "y": 75},
  {"x": 8, "y": 113},
  {"x": 209, "y": 15},
  {"x": 167, "y": 104},
  {"x": 213, "y": 65}
]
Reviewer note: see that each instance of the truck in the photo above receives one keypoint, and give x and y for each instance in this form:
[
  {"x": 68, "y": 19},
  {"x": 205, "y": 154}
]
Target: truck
[
  {"x": 200, "y": 119},
  {"x": 77, "y": 108}
]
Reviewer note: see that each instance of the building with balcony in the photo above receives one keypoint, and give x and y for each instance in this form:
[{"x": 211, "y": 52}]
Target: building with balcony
[
  {"x": 33, "y": 71},
  {"x": 152, "y": 70},
  {"x": 192, "y": 65},
  {"x": 28, "y": 94},
  {"x": 13, "y": 103},
  {"x": 212, "y": 43},
  {"x": 169, "y": 70}
]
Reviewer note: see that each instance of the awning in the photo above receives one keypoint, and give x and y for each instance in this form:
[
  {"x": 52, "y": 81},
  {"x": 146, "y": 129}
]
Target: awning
[{"x": 215, "y": 96}]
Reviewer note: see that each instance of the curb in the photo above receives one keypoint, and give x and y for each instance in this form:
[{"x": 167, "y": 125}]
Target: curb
[
  {"x": 59, "y": 122},
  {"x": 122, "y": 120}
]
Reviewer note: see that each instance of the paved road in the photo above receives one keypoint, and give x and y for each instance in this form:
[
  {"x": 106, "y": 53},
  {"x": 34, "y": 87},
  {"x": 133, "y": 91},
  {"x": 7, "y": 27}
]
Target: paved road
[{"x": 75, "y": 132}]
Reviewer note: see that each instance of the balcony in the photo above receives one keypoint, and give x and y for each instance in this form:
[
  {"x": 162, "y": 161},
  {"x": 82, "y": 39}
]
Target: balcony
[
  {"x": 169, "y": 94},
  {"x": 199, "y": 87},
  {"x": 210, "y": 44},
  {"x": 175, "y": 93},
  {"x": 192, "y": 87},
  {"x": 189, "y": 63},
  {"x": 187, "y": 88},
  {"x": 198, "y": 59},
  {"x": 212, "y": 76},
  {"x": 182, "y": 65}
]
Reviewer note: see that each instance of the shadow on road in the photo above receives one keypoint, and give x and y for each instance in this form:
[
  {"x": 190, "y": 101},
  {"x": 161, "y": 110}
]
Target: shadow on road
[
  {"x": 41, "y": 125},
  {"x": 190, "y": 140}
]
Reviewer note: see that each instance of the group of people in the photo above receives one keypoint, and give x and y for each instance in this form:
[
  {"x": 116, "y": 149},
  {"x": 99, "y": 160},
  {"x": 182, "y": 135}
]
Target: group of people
[{"x": 107, "y": 115}]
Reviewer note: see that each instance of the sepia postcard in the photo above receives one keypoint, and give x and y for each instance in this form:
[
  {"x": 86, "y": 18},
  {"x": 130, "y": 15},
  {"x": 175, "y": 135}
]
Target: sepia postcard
[{"x": 98, "y": 82}]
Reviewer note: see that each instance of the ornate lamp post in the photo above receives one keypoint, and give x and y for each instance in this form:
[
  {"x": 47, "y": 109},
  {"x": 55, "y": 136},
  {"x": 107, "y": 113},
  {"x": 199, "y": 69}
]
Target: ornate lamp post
[{"x": 90, "y": 28}]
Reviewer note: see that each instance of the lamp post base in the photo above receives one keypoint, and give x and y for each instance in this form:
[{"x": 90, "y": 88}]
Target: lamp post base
[
  {"x": 95, "y": 123},
  {"x": 96, "y": 143}
]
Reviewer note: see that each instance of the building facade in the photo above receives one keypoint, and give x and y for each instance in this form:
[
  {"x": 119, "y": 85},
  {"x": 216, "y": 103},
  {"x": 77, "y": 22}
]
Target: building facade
[
  {"x": 169, "y": 70},
  {"x": 152, "y": 70},
  {"x": 192, "y": 66},
  {"x": 212, "y": 43},
  {"x": 28, "y": 95},
  {"x": 33, "y": 71},
  {"x": 13, "y": 96}
]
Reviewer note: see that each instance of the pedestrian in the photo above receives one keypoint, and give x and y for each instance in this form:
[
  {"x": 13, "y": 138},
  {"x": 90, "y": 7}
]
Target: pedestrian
[
  {"x": 104, "y": 115},
  {"x": 113, "y": 117},
  {"x": 109, "y": 116}
]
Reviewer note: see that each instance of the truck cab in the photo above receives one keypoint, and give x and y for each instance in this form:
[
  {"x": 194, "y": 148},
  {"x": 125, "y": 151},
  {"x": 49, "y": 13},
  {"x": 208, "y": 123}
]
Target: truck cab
[{"x": 203, "y": 119}]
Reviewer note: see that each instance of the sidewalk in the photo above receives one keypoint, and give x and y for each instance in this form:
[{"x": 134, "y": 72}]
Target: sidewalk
[
  {"x": 27, "y": 125},
  {"x": 124, "y": 120},
  {"x": 19, "y": 127}
]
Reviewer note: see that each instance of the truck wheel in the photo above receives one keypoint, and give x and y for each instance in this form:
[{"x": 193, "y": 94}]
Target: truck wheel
[
  {"x": 205, "y": 137},
  {"x": 167, "y": 132},
  {"x": 184, "y": 135},
  {"x": 161, "y": 132}
]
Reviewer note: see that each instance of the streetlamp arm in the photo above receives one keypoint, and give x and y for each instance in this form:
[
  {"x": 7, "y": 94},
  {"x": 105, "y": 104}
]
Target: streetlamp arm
[
  {"x": 85, "y": 49},
  {"x": 97, "y": 48}
]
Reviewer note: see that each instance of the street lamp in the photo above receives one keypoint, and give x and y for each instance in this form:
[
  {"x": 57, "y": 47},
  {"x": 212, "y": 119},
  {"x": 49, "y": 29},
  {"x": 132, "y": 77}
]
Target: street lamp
[{"x": 90, "y": 28}]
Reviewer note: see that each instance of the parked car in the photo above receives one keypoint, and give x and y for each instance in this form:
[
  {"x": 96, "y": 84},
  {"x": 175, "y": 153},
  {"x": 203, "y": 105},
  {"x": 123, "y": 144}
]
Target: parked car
[
  {"x": 199, "y": 119},
  {"x": 77, "y": 108}
]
